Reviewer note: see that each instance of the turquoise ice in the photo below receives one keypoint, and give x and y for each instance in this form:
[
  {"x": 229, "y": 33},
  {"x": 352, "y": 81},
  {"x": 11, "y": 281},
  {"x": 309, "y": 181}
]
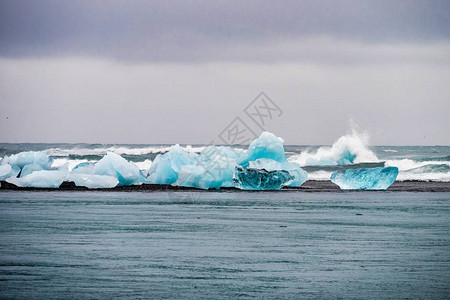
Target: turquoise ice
[
  {"x": 365, "y": 179},
  {"x": 29, "y": 157},
  {"x": 165, "y": 167},
  {"x": 127, "y": 173},
  {"x": 260, "y": 179},
  {"x": 41, "y": 179}
]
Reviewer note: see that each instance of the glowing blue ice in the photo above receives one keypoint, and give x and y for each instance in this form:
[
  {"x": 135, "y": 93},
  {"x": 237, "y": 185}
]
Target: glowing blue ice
[
  {"x": 260, "y": 179},
  {"x": 115, "y": 165},
  {"x": 365, "y": 179},
  {"x": 165, "y": 167},
  {"x": 267, "y": 145},
  {"x": 41, "y": 179}
]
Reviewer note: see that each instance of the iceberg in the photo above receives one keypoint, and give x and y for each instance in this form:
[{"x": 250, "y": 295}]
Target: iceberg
[
  {"x": 365, "y": 179},
  {"x": 28, "y": 169},
  {"x": 41, "y": 179},
  {"x": 115, "y": 165},
  {"x": 165, "y": 167},
  {"x": 260, "y": 179},
  {"x": 29, "y": 157},
  {"x": 267, "y": 145},
  {"x": 93, "y": 181},
  {"x": 299, "y": 175}
]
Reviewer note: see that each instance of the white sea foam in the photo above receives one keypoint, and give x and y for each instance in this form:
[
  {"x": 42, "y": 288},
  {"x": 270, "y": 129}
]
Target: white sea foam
[
  {"x": 354, "y": 144},
  {"x": 409, "y": 164},
  {"x": 121, "y": 150},
  {"x": 390, "y": 150}
]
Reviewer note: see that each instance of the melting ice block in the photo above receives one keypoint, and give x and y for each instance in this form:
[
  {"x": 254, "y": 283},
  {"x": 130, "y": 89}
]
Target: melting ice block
[
  {"x": 30, "y": 157},
  {"x": 260, "y": 179},
  {"x": 41, "y": 179},
  {"x": 28, "y": 169},
  {"x": 93, "y": 181},
  {"x": 299, "y": 175},
  {"x": 165, "y": 167},
  {"x": 267, "y": 145},
  {"x": 115, "y": 165},
  {"x": 365, "y": 179}
]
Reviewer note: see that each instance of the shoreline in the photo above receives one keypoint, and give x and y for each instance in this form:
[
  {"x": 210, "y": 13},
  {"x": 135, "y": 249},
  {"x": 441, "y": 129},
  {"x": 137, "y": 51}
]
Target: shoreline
[{"x": 308, "y": 186}]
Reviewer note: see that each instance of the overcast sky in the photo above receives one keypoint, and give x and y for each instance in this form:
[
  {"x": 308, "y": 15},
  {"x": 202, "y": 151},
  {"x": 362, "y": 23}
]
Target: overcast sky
[{"x": 181, "y": 71}]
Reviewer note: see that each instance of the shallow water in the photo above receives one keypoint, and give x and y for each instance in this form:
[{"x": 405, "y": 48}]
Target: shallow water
[{"x": 224, "y": 245}]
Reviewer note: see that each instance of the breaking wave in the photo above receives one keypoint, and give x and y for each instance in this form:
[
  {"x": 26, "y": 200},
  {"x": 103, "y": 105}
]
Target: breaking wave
[{"x": 348, "y": 149}]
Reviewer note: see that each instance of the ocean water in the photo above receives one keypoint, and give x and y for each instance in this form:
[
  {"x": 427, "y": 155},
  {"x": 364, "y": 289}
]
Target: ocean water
[
  {"x": 427, "y": 163},
  {"x": 222, "y": 245}
]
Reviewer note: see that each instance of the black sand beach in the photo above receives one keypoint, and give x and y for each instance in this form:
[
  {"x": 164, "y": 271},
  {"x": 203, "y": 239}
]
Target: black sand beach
[{"x": 308, "y": 186}]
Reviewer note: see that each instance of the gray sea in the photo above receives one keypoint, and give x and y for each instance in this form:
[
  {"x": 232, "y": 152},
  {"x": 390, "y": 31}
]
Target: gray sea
[{"x": 222, "y": 245}]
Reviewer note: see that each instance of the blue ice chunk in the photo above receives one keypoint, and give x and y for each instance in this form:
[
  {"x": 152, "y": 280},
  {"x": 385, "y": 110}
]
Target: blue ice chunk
[
  {"x": 93, "y": 181},
  {"x": 165, "y": 167},
  {"x": 300, "y": 175},
  {"x": 267, "y": 145},
  {"x": 28, "y": 169},
  {"x": 260, "y": 179},
  {"x": 30, "y": 157},
  {"x": 115, "y": 165},
  {"x": 41, "y": 179},
  {"x": 365, "y": 179}
]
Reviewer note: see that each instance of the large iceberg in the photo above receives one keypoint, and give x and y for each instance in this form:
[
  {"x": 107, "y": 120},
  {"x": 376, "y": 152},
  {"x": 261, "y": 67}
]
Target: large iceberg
[
  {"x": 260, "y": 179},
  {"x": 127, "y": 173},
  {"x": 165, "y": 167},
  {"x": 29, "y": 157},
  {"x": 41, "y": 179},
  {"x": 365, "y": 179}
]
